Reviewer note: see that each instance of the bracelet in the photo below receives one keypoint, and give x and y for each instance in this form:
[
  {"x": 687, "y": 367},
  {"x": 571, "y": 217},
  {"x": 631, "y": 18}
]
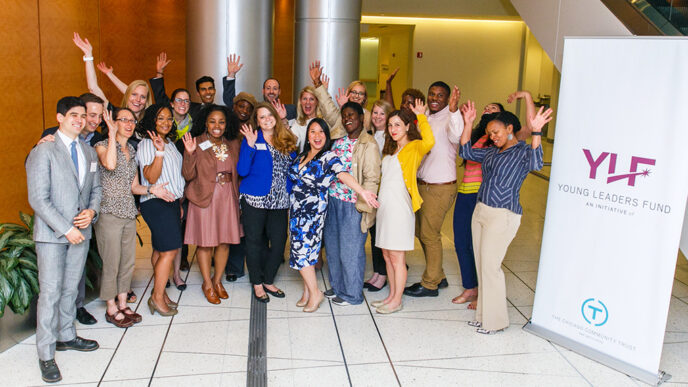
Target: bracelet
[
  {"x": 148, "y": 190},
  {"x": 536, "y": 133},
  {"x": 88, "y": 58},
  {"x": 159, "y": 153}
]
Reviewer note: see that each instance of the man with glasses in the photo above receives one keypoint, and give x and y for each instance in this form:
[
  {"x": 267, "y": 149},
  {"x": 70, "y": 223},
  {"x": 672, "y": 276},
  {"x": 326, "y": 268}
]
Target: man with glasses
[{"x": 90, "y": 135}]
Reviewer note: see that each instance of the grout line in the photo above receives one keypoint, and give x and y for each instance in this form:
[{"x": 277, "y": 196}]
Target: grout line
[
  {"x": 384, "y": 346},
  {"x": 569, "y": 362},
  {"x": 169, "y": 326},
  {"x": 485, "y": 371},
  {"x": 339, "y": 338}
]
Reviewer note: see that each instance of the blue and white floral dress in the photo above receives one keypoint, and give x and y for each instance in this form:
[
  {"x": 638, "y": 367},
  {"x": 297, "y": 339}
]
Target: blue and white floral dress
[{"x": 308, "y": 206}]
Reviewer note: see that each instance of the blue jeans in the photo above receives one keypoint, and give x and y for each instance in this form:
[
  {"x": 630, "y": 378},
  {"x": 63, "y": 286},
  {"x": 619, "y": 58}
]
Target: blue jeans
[
  {"x": 345, "y": 249},
  {"x": 463, "y": 239}
]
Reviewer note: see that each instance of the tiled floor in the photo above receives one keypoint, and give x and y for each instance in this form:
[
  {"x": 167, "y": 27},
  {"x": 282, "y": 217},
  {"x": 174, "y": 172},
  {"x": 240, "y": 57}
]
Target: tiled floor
[{"x": 427, "y": 344}]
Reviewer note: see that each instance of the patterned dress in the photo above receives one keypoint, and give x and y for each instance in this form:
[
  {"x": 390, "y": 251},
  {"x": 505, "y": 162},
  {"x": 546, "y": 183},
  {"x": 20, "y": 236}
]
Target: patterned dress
[{"x": 309, "y": 205}]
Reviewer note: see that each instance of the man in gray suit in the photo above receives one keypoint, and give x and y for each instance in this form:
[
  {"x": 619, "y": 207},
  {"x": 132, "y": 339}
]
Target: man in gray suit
[{"x": 64, "y": 192}]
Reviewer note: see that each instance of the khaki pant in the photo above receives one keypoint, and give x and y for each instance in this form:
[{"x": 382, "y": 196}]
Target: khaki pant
[
  {"x": 493, "y": 231},
  {"x": 116, "y": 239},
  {"x": 437, "y": 200}
]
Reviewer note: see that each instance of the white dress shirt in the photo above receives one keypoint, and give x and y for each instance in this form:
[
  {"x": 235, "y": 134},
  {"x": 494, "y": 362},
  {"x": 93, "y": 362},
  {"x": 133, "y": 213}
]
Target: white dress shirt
[{"x": 79, "y": 152}]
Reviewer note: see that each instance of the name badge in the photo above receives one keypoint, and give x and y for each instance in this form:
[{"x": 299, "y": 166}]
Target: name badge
[
  {"x": 205, "y": 145},
  {"x": 94, "y": 166},
  {"x": 261, "y": 147}
]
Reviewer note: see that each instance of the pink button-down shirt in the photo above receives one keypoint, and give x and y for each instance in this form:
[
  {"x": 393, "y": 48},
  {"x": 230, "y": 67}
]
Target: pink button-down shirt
[{"x": 439, "y": 166}]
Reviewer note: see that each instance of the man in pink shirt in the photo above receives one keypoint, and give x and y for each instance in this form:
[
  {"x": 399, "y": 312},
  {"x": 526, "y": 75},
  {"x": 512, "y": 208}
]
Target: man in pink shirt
[{"x": 437, "y": 184}]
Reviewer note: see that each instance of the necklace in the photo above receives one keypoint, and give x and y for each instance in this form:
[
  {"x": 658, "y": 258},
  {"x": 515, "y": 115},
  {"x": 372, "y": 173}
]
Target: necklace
[{"x": 220, "y": 152}]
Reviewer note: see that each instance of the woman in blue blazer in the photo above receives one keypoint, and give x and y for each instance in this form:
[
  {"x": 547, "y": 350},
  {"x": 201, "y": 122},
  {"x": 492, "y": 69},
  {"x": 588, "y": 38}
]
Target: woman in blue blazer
[{"x": 264, "y": 159}]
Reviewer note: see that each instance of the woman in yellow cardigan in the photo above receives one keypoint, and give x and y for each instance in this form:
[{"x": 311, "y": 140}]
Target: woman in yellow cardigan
[{"x": 399, "y": 198}]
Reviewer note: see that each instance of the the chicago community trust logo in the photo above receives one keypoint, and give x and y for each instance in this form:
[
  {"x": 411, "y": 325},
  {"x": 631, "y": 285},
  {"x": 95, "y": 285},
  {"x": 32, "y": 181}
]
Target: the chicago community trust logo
[
  {"x": 612, "y": 176},
  {"x": 594, "y": 312}
]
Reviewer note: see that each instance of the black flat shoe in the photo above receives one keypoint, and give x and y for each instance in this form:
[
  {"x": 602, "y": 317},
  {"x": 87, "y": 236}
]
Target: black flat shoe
[
  {"x": 264, "y": 298},
  {"x": 443, "y": 284},
  {"x": 167, "y": 285},
  {"x": 84, "y": 317},
  {"x": 372, "y": 288},
  {"x": 231, "y": 277},
  {"x": 181, "y": 287},
  {"x": 77, "y": 344},
  {"x": 279, "y": 293},
  {"x": 49, "y": 371}
]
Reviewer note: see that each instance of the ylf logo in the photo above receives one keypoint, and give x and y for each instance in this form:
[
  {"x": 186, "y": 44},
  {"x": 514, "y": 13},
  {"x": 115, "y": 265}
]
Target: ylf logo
[
  {"x": 611, "y": 177},
  {"x": 594, "y": 312}
]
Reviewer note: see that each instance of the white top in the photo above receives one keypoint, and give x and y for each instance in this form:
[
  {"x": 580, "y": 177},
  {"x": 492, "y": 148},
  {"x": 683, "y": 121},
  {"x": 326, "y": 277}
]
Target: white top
[
  {"x": 380, "y": 139},
  {"x": 439, "y": 166},
  {"x": 300, "y": 132},
  {"x": 171, "y": 167},
  {"x": 79, "y": 154}
]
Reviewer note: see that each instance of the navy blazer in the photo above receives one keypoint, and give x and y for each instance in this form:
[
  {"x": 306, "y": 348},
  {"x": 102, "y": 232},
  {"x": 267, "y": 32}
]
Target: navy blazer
[{"x": 255, "y": 166}]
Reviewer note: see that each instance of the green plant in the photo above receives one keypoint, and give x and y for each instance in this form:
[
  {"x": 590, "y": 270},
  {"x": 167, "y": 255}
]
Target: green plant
[{"x": 18, "y": 266}]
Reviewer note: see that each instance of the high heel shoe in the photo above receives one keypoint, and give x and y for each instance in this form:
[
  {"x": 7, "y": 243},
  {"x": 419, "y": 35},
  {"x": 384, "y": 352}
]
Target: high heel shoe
[
  {"x": 314, "y": 308},
  {"x": 220, "y": 291},
  {"x": 154, "y": 308},
  {"x": 302, "y": 302}
]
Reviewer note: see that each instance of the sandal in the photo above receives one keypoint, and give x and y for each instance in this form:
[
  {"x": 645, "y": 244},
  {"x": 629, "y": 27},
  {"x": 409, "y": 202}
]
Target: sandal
[
  {"x": 133, "y": 316},
  {"x": 476, "y": 324},
  {"x": 125, "y": 322},
  {"x": 131, "y": 297},
  {"x": 488, "y": 331}
]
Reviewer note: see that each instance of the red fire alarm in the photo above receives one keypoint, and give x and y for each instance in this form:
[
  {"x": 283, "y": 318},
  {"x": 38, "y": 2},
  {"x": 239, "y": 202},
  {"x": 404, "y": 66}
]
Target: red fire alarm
[{"x": 419, "y": 54}]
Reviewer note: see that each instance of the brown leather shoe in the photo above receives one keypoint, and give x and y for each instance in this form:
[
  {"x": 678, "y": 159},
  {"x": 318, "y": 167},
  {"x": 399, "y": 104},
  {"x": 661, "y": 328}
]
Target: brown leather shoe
[
  {"x": 124, "y": 322},
  {"x": 210, "y": 295},
  {"x": 133, "y": 316},
  {"x": 220, "y": 290}
]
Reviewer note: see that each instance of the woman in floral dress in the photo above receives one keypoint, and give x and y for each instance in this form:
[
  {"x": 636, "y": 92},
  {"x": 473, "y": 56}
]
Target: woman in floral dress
[{"x": 312, "y": 173}]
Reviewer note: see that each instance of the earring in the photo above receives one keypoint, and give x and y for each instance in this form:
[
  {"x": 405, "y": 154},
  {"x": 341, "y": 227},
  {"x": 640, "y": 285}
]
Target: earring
[{"x": 510, "y": 137}]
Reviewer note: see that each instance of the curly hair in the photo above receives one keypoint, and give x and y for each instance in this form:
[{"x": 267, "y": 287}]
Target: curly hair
[
  {"x": 231, "y": 120},
  {"x": 283, "y": 139},
  {"x": 148, "y": 122},
  {"x": 407, "y": 118}
]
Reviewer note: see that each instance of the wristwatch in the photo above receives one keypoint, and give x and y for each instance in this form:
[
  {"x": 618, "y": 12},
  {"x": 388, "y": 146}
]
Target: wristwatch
[{"x": 536, "y": 133}]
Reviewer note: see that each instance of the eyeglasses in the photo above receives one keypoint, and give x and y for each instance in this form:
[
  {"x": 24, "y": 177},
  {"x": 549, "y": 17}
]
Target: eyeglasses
[
  {"x": 179, "y": 100},
  {"x": 358, "y": 93},
  {"x": 126, "y": 121}
]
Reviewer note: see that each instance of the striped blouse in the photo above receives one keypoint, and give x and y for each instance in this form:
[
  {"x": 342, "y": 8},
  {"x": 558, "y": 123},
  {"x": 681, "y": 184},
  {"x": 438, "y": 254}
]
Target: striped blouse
[
  {"x": 503, "y": 172},
  {"x": 472, "y": 174},
  {"x": 171, "y": 167}
]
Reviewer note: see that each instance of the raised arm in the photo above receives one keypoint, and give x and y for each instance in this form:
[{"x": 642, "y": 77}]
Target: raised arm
[
  {"x": 468, "y": 110},
  {"x": 108, "y": 155},
  {"x": 456, "y": 126},
  {"x": 91, "y": 78},
  {"x": 229, "y": 82},
  {"x": 108, "y": 71},
  {"x": 524, "y": 133},
  {"x": 537, "y": 122},
  {"x": 427, "y": 137},
  {"x": 158, "y": 82},
  {"x": 153, "y": 171},
  {"x": 388, "y": 87}
]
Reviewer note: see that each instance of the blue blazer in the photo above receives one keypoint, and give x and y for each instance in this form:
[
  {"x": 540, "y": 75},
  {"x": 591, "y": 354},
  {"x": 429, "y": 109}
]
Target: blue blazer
[{"x": 255, "y": 167}]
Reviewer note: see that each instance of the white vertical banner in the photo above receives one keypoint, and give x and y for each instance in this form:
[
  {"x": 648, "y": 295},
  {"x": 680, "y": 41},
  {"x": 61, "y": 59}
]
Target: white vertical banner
[{"x": 616, "y": 201}]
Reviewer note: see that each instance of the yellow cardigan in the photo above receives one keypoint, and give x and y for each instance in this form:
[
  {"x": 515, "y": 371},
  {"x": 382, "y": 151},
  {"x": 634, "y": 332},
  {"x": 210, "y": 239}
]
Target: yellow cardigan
[{"x": 410, "y": 157}]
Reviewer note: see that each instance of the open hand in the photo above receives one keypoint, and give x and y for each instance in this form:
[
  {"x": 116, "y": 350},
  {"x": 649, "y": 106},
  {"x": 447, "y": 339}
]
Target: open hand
[
  {"x": 279, "y": 107},
  {"x": 541, "y": 118},
  {"x": 104, "y": 69},
  {"x": 370, "y": 198},
  {"x": 250, "y": 135},
  {"x": 159, "y": 191},
  {"x": 110, "y": 122},
  {"x": 233, "y": 65},
  {"x": 469, "y": 114},
  {"x": 50, "y": 138},
  {"x": 418, "y": 107},
  {"x": 161, "y": 62},
  {"x": 189, "y": 143},
  {"x": 325, "y": 80},
  {"x": 83, "y": 44},
  {"x": 454, "y": 99},
  {"x": 315, "y": 71},
  {"x": 342, "y": 97}
]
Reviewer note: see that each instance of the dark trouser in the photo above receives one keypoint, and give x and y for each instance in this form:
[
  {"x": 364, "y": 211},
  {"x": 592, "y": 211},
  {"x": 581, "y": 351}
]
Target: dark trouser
[
  {"x": 463, "y": 238},
  {"x": 237, "y": 256},
  {"x": 185, "y": 247},
  {"x": 378, "y": 260},
  {"x": 257, "y": 222}
]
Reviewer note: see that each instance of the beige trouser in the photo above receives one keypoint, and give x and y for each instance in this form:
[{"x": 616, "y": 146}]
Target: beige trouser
[
  {"x": 493, "y": 231},
  {"x": 437, "y": 200},
  {"x": 116, "y": 239}
]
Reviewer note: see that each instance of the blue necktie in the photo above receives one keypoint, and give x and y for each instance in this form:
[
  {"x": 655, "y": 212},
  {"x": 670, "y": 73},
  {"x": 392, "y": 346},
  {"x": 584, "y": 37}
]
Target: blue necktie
[{"x": 75, "y": 158}]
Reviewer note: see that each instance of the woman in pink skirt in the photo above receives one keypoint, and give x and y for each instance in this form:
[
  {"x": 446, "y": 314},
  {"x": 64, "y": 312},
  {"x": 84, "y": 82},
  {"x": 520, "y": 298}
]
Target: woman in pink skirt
[{"x": 209, "y": 168}]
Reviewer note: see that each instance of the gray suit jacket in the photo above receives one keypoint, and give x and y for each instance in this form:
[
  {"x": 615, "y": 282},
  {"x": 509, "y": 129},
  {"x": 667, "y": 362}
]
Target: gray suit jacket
[{"x": 54, "y": 191}]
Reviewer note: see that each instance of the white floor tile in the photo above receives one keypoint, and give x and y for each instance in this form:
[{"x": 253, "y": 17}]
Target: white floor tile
[{"x": 138, "y": 353}]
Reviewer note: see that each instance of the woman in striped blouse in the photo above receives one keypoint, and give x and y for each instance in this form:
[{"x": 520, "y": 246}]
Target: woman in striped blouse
[{"x": 497, "y": 215}]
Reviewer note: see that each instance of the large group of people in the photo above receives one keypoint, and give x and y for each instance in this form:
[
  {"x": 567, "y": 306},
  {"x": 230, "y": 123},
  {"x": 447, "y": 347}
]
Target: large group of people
[{"x": 238, "y": 180}]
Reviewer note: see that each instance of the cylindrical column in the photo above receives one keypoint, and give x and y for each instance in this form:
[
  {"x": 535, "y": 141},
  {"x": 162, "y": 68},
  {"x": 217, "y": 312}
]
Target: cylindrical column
[
  {"x": 329, "y": 31},
  {"x": 217, "y": 28}
]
